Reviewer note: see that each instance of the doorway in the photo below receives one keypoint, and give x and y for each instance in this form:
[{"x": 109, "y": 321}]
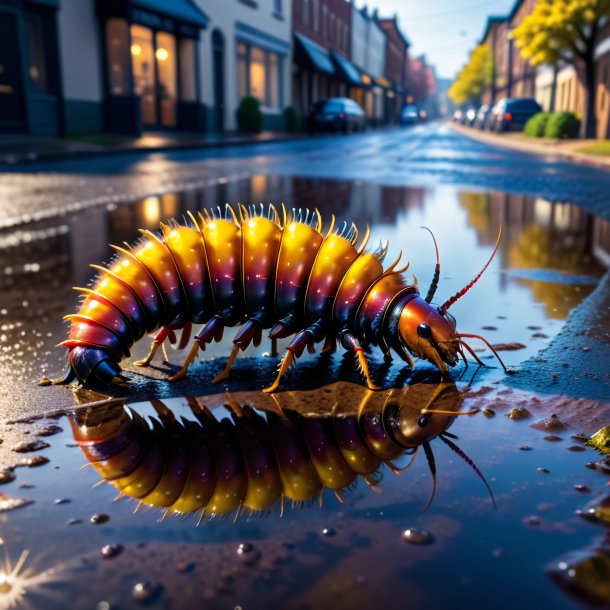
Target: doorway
[
  {"x": 11, "y": 92},
  {"x": 218, "y": 49}
]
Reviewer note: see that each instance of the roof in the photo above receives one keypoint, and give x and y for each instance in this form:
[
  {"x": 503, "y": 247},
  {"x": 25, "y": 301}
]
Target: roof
[
  {"x": 393, "y": 21},
  {"x": 184, "y": 10},
  {"x": 491, "y": 21},
  {"x": 312, "y": 54}
]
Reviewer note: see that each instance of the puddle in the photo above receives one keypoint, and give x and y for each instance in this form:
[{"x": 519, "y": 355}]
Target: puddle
[
  {"x": 349, "y": 532},
  {"x": 550, "y": 257},
  {"x": 355, "y": 553}
]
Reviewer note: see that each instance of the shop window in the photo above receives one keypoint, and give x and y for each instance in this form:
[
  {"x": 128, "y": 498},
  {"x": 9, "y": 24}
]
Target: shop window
[
  {"x": 37, "y": 69},
  {"x": 188, "y": 73},
  {"x": 165, "y": 55},
  {"x": 259, "y": 75},
  {"x": 143, "y": 62},
  {"x": 117, "y": 45}
]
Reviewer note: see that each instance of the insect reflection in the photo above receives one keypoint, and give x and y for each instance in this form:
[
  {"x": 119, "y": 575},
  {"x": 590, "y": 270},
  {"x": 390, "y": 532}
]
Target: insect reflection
[{"x": 270, "y": 449}]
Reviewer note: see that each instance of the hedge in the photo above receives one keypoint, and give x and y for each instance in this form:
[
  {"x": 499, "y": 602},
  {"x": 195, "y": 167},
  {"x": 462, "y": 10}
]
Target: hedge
[
  {"x": 292, "y": 119},
  {"x": 536, "y": 125},
  {"x": 562, "y": 125},
  {"x": 249, "y": 115}
]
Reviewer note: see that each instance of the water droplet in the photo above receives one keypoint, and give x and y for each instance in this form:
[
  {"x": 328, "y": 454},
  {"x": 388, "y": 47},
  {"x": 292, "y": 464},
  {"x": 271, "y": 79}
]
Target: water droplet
[
  {"x": 552, "y": 438},
  {"x": 74, "y": 521},
  {"x": 419, "y": 536},
  {"x": 543, "y": 470},
  {"x": 99, "y": 519},
  {"x": 247, "y": 553},
  {"x": 145, "y": 591},
  {"x": 525, "y": 448},
  {"x": 532, "y": 520},
  {"x": 59, "y": 501},
  {"x": 582, "y": 488},
  {"x": 328, "y": 531},
  {"x": 111, "y": 550}
]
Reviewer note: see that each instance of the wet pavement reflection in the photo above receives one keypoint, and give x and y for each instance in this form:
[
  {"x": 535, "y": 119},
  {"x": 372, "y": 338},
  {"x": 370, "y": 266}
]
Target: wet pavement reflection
[{"x": 550, "y": 258}]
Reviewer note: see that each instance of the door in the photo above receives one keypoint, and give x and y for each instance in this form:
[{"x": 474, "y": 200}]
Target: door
[
  {"x": 165, "y": 56},
  {"x": 144, "y": 77},
  {"x": 218, "y": 50},
  {"x": 11, "y": 91}
]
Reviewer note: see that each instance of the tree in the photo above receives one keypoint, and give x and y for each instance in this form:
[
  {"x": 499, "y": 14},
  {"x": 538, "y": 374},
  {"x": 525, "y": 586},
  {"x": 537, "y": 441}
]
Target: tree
[
  {"x": 473, "y": 78},
  {"x": 566, "y": 31}
]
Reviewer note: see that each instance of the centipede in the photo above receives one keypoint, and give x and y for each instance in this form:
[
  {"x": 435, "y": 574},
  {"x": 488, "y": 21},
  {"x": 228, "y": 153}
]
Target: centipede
[
  {"x": 259, "y": 269},
  {"x": 261, "y": 456}
]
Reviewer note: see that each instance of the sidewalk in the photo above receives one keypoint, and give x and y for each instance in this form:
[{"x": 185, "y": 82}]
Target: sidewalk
[
  {"x": 17, "y": 149},
  {"x": 566, "y": 149}
]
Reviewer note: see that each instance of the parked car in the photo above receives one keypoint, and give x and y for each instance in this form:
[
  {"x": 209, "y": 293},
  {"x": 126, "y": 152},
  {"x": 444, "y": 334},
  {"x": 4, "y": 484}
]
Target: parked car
[
  {"x": 457, "y": 116},
  {"x": 468, "y": 115},
  {"x": 512, "y": 114},
  {"x": 336, "y": 114},
  {"x": 409, "y": 115},
  {"x": 482, "y": 118}
]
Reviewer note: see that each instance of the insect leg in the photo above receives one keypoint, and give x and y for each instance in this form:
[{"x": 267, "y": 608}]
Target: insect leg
[
  {"x": 212, "y": 330},
  {"x": 350, "y": 343},
  {"x": 159, "y": 339},
  {"x": 249, "y": 331}
]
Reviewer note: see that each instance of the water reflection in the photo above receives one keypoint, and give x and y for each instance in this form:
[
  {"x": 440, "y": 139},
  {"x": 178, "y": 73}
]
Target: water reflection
[{"x": 268, "y": 449}]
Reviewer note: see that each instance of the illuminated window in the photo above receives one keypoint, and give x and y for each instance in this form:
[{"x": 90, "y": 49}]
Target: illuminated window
[
  {"x": 37, "y": 70},
  {"x": 259, "y": 75},
  {"x": 188, "y": 79}
]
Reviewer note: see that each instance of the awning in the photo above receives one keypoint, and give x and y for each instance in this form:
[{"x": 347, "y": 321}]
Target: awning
[
  {"x": 183, "y": 10},
  {"x": 345, "y": 69},
  {"x": 311, "y": 55}
]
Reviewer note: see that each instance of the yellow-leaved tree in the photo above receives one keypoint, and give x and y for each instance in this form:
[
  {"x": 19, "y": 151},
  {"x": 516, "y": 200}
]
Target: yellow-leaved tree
[
  {"x": 473, "y": 78},
  {"x": 566, "y": 31}
]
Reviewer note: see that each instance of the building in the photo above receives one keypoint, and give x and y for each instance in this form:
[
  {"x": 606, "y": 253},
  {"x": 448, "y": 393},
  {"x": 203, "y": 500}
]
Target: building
[
  {"x": 368, "y": 55},
  {"x": 523, "y": 74},
  {"x": 396, "y": 67},
  {"x": 124, "y": 66},
  {"x": 322, "y": 44},
  {"x": 247, "y": 54},
  {"x": 495, "y": 37}
]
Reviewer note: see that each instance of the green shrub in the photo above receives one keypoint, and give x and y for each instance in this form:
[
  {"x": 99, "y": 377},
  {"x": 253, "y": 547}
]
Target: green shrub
[
  {"x": 249, "y": 115},
  {"x": 562, "y": 125},
  {"x": 536, "y": 125},
  {"x": 292, "y": 119}
]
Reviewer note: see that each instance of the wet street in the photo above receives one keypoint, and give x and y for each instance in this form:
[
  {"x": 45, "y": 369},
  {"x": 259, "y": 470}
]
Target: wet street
[{"x": 542, "y": 303}]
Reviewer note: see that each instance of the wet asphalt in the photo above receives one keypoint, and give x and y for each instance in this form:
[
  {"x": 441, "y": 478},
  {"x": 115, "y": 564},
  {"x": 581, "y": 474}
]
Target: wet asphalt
[{"x": 575, "y": 363}]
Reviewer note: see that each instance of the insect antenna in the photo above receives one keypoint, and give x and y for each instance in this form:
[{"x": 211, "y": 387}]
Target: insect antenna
[
  {"x": 460, "y": 335},
  {"x": 437, "y": 269},
  {"x": 432, "y": 466},
  {"x": 458, "y": 295},
  {"x": 459, "y": 452}
]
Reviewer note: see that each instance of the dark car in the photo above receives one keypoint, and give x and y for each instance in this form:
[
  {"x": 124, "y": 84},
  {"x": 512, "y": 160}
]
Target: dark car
[
  {"x": 513, "y": 113},
  {"x": 336, "y": 114},
  {"x": 409, "y": 115},
  {"x": 468, "y": 116}
]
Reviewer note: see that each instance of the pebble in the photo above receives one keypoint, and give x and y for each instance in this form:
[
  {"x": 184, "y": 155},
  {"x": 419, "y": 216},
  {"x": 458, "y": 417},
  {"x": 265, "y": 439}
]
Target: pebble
[
  {"x": 517, "y": 413},
  {"x": 99, "y": 519},
  {"x": 582, "y": 488},
  {"x": 531, "y": 520},
  {"x": 49, "y": 430},
  {"x": 11, "y": 503},
  {"x": 418, "y": 536},
  {"x": 525, "y": 448},
  {"x": 247, "y": 553},
  {"x": 576, "y": 448},
  {"x": 6, "y": 476},
  {"x": 328, "y": 531},
  {"x": 28, "y": 446},
  {"x": 543, "y": 470},
  {"x": 111, "y": 550},
  {"x": 59, "y": 501},
  {"x": 144, "y": 591},
  {"x": 487, "y": 412},
  {"x": 33, "y": 462}
]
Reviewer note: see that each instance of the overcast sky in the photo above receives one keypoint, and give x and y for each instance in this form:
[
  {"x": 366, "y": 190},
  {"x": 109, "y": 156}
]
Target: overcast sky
[{"x": 445, "y": 30}]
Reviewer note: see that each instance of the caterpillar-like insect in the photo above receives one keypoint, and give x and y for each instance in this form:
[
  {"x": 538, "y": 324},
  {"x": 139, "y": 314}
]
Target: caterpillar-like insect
[
  {"x": 260, "y": 457},
  {"x": 259, "y": 272}
]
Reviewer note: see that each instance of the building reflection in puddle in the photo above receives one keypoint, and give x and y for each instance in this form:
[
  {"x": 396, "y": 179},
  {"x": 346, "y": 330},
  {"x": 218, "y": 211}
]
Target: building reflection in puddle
[{"x": 269, "y": 450}]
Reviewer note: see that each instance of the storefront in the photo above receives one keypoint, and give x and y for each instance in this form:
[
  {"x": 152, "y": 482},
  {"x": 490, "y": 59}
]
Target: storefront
[
  {"x": 151, "y": 65},
  {"x": 29, "y": 74}
]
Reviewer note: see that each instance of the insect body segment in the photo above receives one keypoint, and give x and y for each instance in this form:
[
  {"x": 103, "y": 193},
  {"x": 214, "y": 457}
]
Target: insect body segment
[{"x": 257, "y": 271}]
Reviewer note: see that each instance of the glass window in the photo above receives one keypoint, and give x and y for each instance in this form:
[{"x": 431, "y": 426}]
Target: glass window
[
  {"x": 331, "y": 26},
  {"x": 277, "y": 7},
  {"x": 165, "y": 55},
  {"x": 117, "y": 48},
  {"x": 257, "y": 74},
  {"x": 315, "y": 9},
  {"x": 305, "y": 12},
  {"x": 324, "y": 21},
  {"x": 188, "y": 77},
  {"x": 37, "y": 71},
  {"x": 143, "y": 62}
]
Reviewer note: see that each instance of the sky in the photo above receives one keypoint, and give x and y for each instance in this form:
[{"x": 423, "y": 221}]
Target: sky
[{"x": 445, "y": 30}]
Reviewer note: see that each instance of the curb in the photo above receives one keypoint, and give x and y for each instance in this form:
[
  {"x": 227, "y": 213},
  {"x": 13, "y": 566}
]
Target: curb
[
  {"x": 530, "y": 148},
  {"x": 33, "y": 158}
]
